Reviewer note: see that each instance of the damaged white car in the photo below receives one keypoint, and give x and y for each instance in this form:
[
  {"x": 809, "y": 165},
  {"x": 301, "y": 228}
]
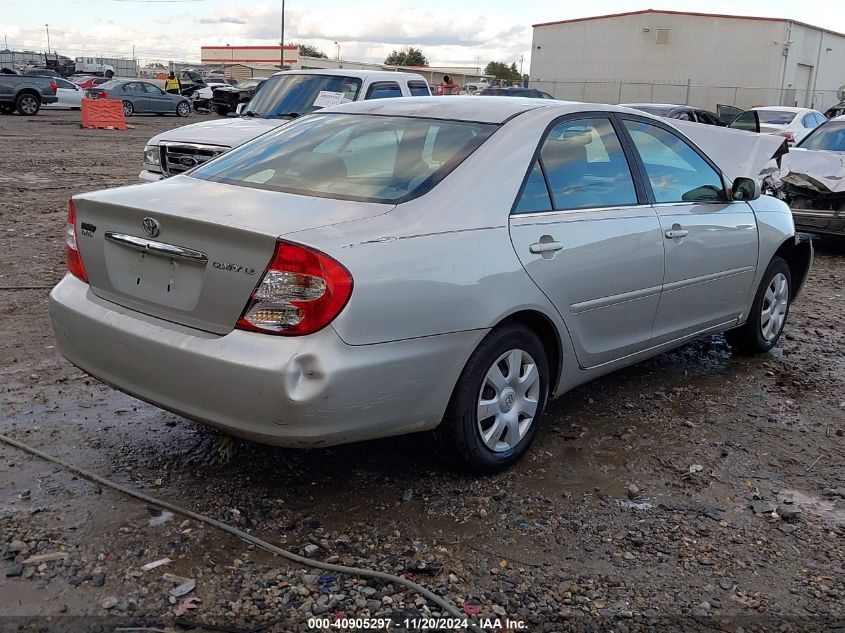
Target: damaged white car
[{"x": 811, "y": 180}]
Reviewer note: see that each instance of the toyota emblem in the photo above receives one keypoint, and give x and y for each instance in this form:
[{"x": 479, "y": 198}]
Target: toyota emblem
[{"x": 151, "y": 226}]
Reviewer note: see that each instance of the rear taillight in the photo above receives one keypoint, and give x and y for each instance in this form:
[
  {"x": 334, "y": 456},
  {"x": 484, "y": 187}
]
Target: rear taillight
[
  {"x": 302, "y": 291},
  {"x": 74, "y": 259},
  {"x": 54, "y": 86},
  {"x": 790, "y": 136},
  {"x": 103, "y": 94}
]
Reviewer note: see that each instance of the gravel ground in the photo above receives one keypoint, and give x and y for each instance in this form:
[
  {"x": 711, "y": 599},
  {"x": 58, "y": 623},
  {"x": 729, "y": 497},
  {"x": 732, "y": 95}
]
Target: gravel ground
[{"x": 695, "y": 491}]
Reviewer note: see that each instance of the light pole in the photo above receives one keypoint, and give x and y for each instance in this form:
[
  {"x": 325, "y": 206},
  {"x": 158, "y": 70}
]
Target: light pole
[
  {"x": 47, "y": 26},
  {"x": 282, "y": 52},
  {"x": 338, "y": 51}
]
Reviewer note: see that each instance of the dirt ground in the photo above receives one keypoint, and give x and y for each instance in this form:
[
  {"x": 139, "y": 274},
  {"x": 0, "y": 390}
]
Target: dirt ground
[{"x": 696, "y": 491}]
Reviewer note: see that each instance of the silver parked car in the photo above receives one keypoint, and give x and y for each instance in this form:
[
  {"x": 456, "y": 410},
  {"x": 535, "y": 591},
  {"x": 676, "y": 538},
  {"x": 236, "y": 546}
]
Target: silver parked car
[{"x": 330, "y": 281}]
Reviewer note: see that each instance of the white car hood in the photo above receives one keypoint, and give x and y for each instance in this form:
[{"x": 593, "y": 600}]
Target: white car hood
[{"x": 224, "y": 132}]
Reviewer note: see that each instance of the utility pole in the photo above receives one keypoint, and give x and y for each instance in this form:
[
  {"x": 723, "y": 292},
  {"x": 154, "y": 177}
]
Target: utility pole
[
  {"x": 521, "y": 57},
  {"x": 282, "y": 52},
  {"x": 338, "y": 51},
  {"x": 47, "y": 26}
]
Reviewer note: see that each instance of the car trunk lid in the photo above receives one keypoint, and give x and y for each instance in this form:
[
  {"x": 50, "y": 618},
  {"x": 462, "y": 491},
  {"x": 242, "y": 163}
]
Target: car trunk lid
[{"x": 190, "y": 251}]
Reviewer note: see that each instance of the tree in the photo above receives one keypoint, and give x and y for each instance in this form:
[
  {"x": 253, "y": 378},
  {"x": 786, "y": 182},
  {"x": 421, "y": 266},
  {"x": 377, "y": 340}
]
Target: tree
[
  {"x": 306, "y": 50},
  {"x": 500, "y": 70},
  {"x": 406, "y": 57}
]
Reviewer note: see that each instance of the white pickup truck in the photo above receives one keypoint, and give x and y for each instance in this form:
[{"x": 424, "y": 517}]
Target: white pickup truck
[{"x": 286, "y": 95}]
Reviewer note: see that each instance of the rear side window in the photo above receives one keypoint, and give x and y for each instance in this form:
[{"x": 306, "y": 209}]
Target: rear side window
[
  {"x": 677, "y": 172},
  {"x": 535, "y": 197},
  {"x": 809, "y": 120},
  {"x": 350, "y": 157},
  {"x": 586, "y": 166},
  {"x": 418, "y": 89},
  {"x": 383, "y": 90}
]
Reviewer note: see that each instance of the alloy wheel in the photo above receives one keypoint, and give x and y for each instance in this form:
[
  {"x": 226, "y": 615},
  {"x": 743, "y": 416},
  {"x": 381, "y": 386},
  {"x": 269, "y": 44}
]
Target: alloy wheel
[
  {"x": 775, "y": 304},
  {"x": 29, "y": 105},
  {"x": 508, "y": 400}
]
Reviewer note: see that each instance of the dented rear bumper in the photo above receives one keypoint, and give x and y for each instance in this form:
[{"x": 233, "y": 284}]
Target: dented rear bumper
[{"x": 290, "y": 391}]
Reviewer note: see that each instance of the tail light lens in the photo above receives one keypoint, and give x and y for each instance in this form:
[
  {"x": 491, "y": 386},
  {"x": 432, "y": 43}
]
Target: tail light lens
[
  {"x": 790, "y": 136},
  {"x": 74, "y": 259},
  {"x": 54, "y": 86},
  {"x": 301, "y": 292},
  {"x": 103, "y": 94}
]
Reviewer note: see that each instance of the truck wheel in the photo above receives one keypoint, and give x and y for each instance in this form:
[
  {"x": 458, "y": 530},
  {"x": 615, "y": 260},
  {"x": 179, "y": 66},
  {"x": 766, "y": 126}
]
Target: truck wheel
[
  {"x": 221, "y": 110},
  {"x": 109, "y": 74},
  {"x": 27, "y": 104},
  {"x": 761, "y": 331}
]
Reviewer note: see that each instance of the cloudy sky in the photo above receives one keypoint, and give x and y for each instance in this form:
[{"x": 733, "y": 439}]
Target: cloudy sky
[{"x": 471, "y": 32}]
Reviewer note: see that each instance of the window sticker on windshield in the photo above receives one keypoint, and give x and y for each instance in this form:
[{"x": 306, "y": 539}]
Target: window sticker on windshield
[{"x": 328, "y": 98}]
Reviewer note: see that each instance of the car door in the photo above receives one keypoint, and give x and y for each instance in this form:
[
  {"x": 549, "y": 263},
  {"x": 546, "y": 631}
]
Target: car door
[
  {"x": 585, "y": 233},
  {"x": 748, "y": 121},
  {"x": 159, "y": 101},
  {"x": 710, "y": 241},
  {"x": 134, "y": 92},
  {"x": 69, "y": 94}
]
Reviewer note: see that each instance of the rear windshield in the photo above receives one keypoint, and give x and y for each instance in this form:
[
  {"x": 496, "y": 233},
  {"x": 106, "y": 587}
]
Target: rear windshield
[
  {"x": 114, "y": 83},
  {"x": 830, "y": 136},
  {"x": 776, "y": 117},
  {"x": 350, "y": 157},
  {"x": 294, "y": 95}
]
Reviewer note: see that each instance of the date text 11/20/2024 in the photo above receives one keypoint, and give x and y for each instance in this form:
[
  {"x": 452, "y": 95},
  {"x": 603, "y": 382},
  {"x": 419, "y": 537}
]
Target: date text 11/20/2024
[{"x": 415, "y": 624}]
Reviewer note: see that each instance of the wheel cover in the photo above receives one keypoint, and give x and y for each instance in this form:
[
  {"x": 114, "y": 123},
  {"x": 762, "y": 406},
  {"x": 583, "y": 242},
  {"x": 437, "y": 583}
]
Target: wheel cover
[
  {"x": 508, "y": 400},
  {"x": 29, "y": 105},
  {"x": 127, "y": 108},
  {"x": 775, "y": 304},
  {"x": 183, "y": 109}
]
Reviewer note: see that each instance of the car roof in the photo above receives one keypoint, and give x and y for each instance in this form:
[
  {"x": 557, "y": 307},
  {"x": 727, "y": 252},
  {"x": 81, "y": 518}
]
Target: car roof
[
  {"x": 783, "y": 109},
  {"x": 492, "y": 109},
  {"x": 361, "y": 74},
  {"x": 659, "y": 105}
]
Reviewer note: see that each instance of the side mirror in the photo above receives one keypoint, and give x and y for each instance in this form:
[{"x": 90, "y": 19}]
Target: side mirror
[
  {"x": 240, "y": 109},
  {"x": 745, "y": 189}
]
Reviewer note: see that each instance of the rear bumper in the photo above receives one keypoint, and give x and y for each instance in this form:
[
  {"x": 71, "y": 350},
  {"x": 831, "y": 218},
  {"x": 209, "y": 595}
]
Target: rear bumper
[
  {"x": 300, "y": 391},
  {"x": 150, "y": 176}
]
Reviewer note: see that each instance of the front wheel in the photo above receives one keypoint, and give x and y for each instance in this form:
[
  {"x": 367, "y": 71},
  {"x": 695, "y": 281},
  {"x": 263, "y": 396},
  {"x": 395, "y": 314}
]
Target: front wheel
[
  {"x": 183, "y": 109},
  {"x": 497, "y": 403},
  {"x": 128, "y": 108},
  {"x": 221, "y": 110},
  {"x": 767, "y": 317}
]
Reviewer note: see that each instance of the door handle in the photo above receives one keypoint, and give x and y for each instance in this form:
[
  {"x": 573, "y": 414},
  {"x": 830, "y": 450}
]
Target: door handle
[
  {"x": 538, "y": 248},
  {"x": 672, "y": 234}
]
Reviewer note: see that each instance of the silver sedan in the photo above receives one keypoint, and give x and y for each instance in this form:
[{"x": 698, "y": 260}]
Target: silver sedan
[{"x": 405, "y": 265}]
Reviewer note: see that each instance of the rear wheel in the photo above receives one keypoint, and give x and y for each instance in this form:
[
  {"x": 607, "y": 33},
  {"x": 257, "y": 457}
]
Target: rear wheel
[
  {"x": 765, "y": 323},
  {"x": 497, "y": 402},
  {"x": 183, "y": 109},
  {"x": 27, "y": 104},
  {"x": 128, "y": 108}
]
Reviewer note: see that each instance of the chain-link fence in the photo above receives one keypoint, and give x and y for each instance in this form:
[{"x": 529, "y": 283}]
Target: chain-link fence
[{"x": 706, "y": 97}]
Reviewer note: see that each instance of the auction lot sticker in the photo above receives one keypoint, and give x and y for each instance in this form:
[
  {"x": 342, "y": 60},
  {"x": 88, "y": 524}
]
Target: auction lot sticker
[{"x": 328, "y": 98}]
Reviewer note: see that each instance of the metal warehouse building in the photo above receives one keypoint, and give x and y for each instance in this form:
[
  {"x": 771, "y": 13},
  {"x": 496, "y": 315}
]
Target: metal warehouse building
[{"x": 695, "y": 58}]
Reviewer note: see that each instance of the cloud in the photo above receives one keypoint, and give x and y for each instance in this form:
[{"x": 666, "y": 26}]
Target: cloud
[{"x": 222, "y": 20}]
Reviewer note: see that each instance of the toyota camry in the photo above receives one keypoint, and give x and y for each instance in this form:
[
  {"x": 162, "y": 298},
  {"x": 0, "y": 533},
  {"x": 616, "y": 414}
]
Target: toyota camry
[{"x": 333, "y": 281}]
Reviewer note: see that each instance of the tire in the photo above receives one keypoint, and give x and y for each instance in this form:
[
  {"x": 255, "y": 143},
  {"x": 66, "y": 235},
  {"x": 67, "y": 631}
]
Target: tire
[
  {"x": 109, "y": 74},
  {"x": 27, "y": 104},
  {"x": 221, "y": 110},
  {"x": 768, "y": 314},
  {"x": 183, "y": 109},
  {"x": 128, "y": 108},
  {"x": 477, "y": 444}
]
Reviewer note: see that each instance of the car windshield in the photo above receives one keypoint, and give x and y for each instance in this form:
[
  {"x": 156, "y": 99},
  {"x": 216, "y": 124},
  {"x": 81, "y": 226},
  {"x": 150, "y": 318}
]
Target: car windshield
[
  {"x": 830, "y": 137},
  {"x": 776, "y": 117},
  {"x": 248, "y": 83},
  {"x": 295, "y": 95},
  {"x": 350, "y": 157}
]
